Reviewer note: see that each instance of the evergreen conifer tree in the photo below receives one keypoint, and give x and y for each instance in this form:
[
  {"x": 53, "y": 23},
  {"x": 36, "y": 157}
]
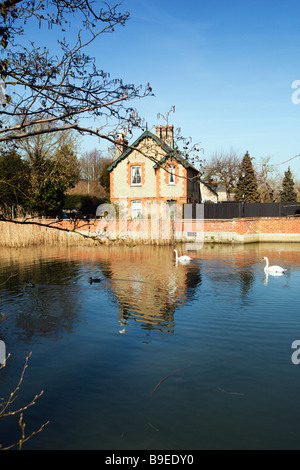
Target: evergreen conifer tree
[
  {"x": 288, "y": 193},
  {"x": 246, "y": 188}
]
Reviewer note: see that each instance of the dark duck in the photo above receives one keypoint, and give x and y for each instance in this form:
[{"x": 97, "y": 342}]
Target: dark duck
[{"x": 92, "y": 279}]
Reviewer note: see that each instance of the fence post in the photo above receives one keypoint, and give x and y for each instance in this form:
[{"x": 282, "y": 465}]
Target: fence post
[{"x": 240, "y": 209}]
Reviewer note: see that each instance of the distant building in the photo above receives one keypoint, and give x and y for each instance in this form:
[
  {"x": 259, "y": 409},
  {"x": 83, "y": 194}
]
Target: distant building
[{"x": 213, "y": 192}]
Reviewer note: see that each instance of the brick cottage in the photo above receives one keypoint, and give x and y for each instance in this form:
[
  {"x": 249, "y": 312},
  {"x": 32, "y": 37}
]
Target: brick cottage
[{"x": 151, "y": 171}]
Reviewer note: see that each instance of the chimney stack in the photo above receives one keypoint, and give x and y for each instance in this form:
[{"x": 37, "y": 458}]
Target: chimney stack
[
  {"x": 166, "y": 133},
  {"x": 122, "y": 143}
]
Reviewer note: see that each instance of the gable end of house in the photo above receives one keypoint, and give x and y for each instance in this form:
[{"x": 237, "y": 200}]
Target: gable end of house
[{"x": 146, "y": 134}]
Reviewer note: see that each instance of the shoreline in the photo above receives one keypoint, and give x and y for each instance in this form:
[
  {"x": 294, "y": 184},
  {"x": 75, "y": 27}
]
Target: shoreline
[{"x": 139, "y": 231}]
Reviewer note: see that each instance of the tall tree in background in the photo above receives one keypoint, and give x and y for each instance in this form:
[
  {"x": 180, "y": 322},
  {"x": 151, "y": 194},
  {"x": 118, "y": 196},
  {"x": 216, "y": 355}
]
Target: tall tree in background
[
  {"x": 268, "y": 180},
  {"x": 60, "y": 86},
  {"x": 36, "y": 183},
  {"x": 49, "y": 179},
  {"x": 223, "y": 168},
  {"x": 47, "y": 143},
  {"x": 91, "y": 164},
  {"x": 105, "y": 177},
  {"x": 288, "y": 193},
  {"x": 246, "y": 188},
  {"x": 14, "y": 182},
  {"x": 53, "y": 165}
]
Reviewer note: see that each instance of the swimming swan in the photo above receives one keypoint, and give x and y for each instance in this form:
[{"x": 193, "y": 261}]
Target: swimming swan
[
  {"x": 274, "y": 269},
  {"x": 182, "y": 258}
]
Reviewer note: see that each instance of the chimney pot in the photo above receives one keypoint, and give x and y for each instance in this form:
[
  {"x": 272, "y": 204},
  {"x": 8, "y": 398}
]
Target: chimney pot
[
  {"x": 166, "y": 133},
  {"x": 122, "y": 143}
]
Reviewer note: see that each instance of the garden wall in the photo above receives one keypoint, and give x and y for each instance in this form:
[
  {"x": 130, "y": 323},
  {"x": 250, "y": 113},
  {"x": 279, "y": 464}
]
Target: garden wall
[{"x": 242, "y": 230}]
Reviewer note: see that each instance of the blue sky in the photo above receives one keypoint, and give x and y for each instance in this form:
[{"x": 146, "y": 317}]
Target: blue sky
[{"x": 227, "y": 66}]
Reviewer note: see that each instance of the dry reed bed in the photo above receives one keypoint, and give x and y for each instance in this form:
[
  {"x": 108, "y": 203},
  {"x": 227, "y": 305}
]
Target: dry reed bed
[
  {"x": 18, "y": 235},
  {"x": 21, "y": 235}
]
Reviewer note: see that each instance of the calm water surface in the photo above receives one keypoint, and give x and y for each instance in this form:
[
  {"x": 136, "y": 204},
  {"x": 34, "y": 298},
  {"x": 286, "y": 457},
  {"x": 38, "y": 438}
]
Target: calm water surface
[{"x": 157, "y": 355}]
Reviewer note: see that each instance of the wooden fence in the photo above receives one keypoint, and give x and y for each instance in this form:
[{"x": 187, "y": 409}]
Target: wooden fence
[{"x": 235, "y": 210}]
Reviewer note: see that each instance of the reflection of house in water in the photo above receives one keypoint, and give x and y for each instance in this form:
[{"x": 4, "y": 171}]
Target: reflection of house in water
[{"x": 148, "y": 289}]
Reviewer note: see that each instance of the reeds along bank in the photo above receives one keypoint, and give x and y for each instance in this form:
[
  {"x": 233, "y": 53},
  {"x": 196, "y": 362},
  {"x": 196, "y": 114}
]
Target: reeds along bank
[{"x": 25, "y": 234}]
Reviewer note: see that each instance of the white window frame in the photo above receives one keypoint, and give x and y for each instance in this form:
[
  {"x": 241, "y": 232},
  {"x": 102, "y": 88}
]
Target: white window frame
[
  {"x": 171, "y": 174},
  {"x": 136, "y": 211},
  {"x": 133, "y": 169}
]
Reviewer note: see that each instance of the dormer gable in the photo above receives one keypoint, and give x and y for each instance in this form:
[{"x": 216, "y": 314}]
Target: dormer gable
[{"x": 145, "y": 135}]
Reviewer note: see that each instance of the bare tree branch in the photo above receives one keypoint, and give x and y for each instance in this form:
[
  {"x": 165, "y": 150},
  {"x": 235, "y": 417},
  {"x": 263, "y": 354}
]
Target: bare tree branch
[{"x": 61, "y": 88}]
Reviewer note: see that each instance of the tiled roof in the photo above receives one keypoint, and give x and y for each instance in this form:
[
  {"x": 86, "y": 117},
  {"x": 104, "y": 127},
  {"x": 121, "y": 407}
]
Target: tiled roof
[{"x": 170, "y": 153}]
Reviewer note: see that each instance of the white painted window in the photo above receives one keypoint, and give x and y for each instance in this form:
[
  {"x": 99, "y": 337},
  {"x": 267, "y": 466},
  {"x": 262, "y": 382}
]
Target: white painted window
[
  {"x": 171, "y": 174},
  {"x": 136, "y": 209},
  {"x": 136, "y": 175}
]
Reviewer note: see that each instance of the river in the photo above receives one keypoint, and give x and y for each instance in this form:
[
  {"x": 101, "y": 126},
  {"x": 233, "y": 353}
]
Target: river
[{"x": 158, "y": 355}]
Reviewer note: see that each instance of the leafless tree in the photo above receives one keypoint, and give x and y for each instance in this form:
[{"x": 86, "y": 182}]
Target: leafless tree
[
  {"x": 6, "y": 410},
  {"x": 91, "y": 164},
  {"x": 223, "y": 168},
  {"x": 58, "y": 87},
  {"x": 268, "y": 180}
]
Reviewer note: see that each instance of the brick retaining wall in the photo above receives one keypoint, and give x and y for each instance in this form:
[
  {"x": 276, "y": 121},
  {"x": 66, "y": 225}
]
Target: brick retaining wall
[
  {"x": 244, "y": 230},
  {"x": 255, "y": 229}
]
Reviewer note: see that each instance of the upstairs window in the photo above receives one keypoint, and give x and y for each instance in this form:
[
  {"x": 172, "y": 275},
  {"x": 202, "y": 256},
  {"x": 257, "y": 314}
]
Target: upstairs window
[
  {"x": 136, "y": 175},
  {"x": 171, "y": 170}
]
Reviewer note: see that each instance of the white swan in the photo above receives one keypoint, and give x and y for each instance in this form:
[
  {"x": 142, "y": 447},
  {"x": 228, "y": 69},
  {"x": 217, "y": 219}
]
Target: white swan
[
  {"x": 274, "y": 269},
  {"x": 182, "y": 258},
  {"x": 272, "y": 274}
]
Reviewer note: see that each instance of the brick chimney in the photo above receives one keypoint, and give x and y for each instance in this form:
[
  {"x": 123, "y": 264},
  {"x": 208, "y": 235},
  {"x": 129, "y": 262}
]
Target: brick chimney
[
  {"x": 122, "y": 143},
  {"x": 166, "y": 133}
]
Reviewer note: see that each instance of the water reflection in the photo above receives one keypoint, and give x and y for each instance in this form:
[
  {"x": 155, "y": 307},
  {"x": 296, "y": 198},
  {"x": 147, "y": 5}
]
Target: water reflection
[
  {"x": 145, "y": 284},
  {"x": 149, "y": 289},
  {"x": 246, "y": 282},
  {"x": 44, "y": 308},
  {"x": 267, "y": 274},
  {"x": 47, "y": 311},
  {"x": 232, "y": 336}
]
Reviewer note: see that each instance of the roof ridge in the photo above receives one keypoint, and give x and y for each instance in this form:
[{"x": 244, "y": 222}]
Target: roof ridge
[{"x": 145, "y": 134}]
